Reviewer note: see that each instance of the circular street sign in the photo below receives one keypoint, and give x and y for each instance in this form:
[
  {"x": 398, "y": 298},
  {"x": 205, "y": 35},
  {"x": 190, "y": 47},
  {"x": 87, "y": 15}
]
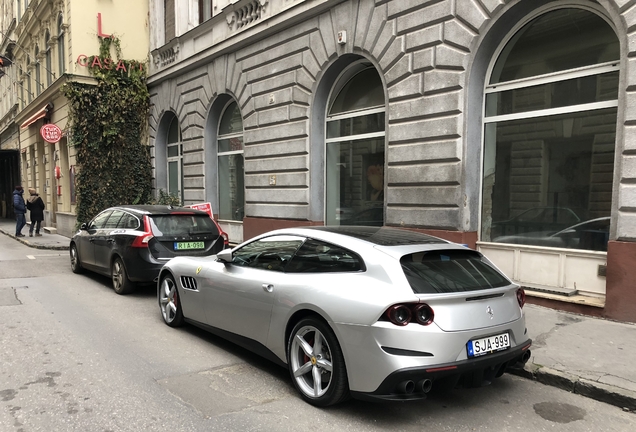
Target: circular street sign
[{"x": 51, "y": 133}]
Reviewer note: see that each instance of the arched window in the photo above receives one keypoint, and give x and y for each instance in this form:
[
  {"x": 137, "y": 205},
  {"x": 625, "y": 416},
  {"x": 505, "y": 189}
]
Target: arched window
[
  {"x": 175, "y": 159},
  {"x": 38, "y": 80},
  {"x": 60, "y": 45},
  {"x": 49, "y": 72},
  {"x": 355, "y": 149},
  {"x": 549, "y": 133},
  {"x": 230, "y": 164}
]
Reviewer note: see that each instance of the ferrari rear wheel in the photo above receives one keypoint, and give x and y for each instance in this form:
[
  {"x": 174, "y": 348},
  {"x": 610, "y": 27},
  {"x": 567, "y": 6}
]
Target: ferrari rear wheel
[
  {"x": 316, "y": 363},
  {"x": 121, "y": 283},
  {"x": 169, "y": 302}
]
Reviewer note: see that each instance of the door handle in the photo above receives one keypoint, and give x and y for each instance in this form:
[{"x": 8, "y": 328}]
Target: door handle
[
  {"x": 268, "y": 287},
  {"x": 91, "y": 240}
]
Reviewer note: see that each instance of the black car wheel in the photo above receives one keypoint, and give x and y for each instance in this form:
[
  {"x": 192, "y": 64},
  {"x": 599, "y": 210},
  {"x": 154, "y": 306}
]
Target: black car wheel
[
  {"x": 121, "y": 284},
  {"x": 169, "y": 303},
  {"x": 76, "y": 264},
  {"x": 316, "y": 363}
]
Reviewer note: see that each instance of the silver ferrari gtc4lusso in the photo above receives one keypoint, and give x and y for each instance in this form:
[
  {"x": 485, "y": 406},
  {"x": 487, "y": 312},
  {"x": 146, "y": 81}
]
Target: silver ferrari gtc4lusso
[{"x": 368, "y": 312}]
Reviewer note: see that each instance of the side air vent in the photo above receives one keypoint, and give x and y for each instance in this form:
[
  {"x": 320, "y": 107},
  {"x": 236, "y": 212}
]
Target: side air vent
[{"x": 188, "y": 282}]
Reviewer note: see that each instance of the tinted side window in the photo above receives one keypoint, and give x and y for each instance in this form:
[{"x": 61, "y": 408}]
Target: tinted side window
[
  {"x": 114, "y": 218},
  {"x": 450, "y": 271},
  {"x": 128, "y": 221},
  {"x": 318, "y": 257},
  {"x": 100, "y": 220},
  {"x": 271, "y": 253}
]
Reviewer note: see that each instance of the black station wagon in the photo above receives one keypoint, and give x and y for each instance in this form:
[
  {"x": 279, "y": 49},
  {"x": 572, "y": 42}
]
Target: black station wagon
[{"x": 131, "y": 243}]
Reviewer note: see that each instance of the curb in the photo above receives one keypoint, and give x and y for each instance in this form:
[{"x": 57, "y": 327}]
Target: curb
[
  {"x": 31, "y": 245},
  {"x": 619, "y": 397}
]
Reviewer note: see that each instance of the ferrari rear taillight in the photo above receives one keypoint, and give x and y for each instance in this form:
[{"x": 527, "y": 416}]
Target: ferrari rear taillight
[
  {"x": 399, "y": 314},
  {"x": 406, "y": 313},
  {"x": 142, "y": 240},
  {"x": 424, "y": 314},
  {"x": 521, "y": 297}
]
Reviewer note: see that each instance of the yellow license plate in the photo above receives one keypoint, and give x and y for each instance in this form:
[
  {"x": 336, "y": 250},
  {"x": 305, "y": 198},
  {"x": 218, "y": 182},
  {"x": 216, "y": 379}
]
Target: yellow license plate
[{"x": 188, "y": 245}]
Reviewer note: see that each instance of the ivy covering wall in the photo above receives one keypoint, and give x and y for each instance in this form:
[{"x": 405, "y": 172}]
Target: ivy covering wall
[{"x": 108, "y": 124}]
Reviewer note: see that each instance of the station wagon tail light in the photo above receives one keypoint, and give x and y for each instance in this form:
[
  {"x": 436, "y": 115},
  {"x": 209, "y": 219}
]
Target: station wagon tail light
[
  {"x": 406, "y": 313},
  {"x": 142, "y": 240},
  {"x": 521, "y": 297},
  {"x": 226, "y": 239}
]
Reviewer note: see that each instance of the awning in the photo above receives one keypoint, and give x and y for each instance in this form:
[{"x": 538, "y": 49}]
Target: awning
[{"x": 41, "y": 113}]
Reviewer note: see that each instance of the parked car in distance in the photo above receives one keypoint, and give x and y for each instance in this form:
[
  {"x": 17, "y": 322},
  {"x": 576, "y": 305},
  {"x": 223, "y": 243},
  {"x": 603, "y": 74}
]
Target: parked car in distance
[
  {"x": 373, "y": 216},
  {"x": 539, "y": 219},
  {"x": 589, "y": 235},
  {"x": 131, "y": 243},
  {"x": 373, "y": 313}
]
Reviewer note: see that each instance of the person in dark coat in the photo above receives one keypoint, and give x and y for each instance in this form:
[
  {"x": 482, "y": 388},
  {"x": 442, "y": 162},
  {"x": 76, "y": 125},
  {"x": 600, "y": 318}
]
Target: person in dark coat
[
  {"x": 19, "y": 208},
  {"x": 36, "y": 206}
]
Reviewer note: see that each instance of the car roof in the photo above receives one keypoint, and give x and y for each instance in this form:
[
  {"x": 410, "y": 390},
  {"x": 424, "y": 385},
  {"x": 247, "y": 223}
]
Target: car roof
[
  {"x": 380, "y": 236},
  {"x": 157, "y": 209}
]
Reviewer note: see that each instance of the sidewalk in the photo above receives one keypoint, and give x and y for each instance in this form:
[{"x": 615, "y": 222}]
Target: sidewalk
[
  {"x": 588, "y": 356},
  {"x": 47, "y": 241}
]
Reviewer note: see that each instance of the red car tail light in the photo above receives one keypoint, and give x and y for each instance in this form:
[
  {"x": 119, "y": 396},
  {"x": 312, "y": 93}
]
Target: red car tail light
[
  {"x": 399, "y": 315},
  {"x": 521, "y": 297},
  {"x": 405, "y": 313},
  {"x": 424, "y": 314},
  {"x": 226, "y": 239},
  {"x": 142, "y": 240}
]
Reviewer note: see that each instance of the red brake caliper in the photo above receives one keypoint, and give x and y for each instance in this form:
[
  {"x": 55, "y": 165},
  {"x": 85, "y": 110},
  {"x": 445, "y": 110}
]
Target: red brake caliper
[{"x": 311, "y": 343}]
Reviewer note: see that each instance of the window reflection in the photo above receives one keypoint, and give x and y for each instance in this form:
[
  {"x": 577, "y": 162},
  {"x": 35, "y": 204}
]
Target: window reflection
[
  {"x": 355, "y": 182},
  {"x": 549, "y": 159},
  {"x": 546, "y": 175}
]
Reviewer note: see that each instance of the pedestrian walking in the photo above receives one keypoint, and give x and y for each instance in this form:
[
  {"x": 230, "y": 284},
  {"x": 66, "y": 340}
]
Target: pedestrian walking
[
  {"x": 19, "y": 208},
  {"x": 36, "y": 206}
]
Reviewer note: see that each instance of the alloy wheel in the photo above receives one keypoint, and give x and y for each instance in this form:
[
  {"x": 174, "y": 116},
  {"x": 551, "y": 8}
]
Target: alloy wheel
[
  {"x": 76, "y": 266},
  {"x": 118, "y": 275},
  {"x": 311, "y": 364},
  {"x": 168, "y": 300}
]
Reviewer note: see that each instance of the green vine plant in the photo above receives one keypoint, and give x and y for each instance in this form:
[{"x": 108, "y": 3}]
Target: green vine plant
[
  {"x": 108, "y": 124},
  {"x": 167, "y": 198}
]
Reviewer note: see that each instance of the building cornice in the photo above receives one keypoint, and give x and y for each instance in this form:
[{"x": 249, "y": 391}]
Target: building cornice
[
  {"x": 49, "y": 94},
  {"x": 244, "y": 37}
]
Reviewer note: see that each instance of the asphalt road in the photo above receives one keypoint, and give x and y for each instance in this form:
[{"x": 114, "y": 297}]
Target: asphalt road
[{"x": 74, "y": 356}]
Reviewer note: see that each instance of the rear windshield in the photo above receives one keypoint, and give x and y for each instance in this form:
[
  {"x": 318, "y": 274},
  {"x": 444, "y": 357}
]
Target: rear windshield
[
  {"x": 182, "y": 224},
  {"x": 450, "y": 271}
]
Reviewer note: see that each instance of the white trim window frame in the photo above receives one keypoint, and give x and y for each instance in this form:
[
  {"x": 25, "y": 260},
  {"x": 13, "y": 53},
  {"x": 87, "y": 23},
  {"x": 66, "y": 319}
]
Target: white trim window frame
[
  {"x": 537, "y": 80},
  {"x": 220, "y": 154}
]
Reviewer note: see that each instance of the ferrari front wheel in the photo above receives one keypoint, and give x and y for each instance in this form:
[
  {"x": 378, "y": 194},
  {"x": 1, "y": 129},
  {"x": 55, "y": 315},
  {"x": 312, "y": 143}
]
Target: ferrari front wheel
[{"x": 169, "y": 302}]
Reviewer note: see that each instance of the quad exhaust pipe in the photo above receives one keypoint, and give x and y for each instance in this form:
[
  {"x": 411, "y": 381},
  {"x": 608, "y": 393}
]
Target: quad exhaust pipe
[
  {"x": 425, "y": 385},
  {"x": 525, "y": 357},
  {"x": 408, "y": 386}
]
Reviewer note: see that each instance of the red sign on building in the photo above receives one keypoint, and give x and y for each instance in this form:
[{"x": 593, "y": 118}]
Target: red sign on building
[
  {"x": 51, "y": 133},
  {"x": 206, "y": 207}
]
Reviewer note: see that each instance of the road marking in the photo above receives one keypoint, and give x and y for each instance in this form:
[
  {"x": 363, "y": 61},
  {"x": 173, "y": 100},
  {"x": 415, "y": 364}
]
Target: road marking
[{"x": 43, "y": 255}]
